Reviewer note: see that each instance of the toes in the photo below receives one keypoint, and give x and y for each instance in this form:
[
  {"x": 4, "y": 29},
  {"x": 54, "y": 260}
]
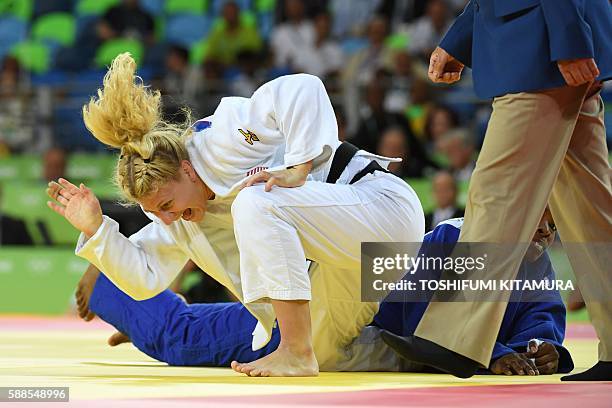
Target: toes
[
  {"x": 260, "y": 373},
  {"x": 241, "y": 368},
  {"x": 246, "y": 369}
]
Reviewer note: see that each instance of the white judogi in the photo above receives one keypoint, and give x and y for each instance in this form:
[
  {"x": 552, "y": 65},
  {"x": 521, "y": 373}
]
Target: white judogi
[{"x": 257, "y": 243}]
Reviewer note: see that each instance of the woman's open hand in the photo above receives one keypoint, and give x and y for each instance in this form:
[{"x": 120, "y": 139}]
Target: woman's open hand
[{"x": 77, "y": 204}]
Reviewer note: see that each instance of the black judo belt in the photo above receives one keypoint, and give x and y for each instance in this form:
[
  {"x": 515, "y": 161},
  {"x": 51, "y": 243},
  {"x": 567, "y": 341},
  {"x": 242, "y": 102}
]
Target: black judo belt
[{"x": 343, "y": 155}]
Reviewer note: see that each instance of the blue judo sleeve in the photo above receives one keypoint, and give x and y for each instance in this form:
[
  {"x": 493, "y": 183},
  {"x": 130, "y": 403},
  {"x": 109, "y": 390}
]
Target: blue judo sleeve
[
  {"x": 167, "y": 329},
  {"x": 525, "y": 318}
]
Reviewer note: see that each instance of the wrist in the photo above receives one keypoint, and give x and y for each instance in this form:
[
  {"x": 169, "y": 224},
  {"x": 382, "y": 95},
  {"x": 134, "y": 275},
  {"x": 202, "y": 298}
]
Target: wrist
[
  {"x": 304, "y": 168},
  {"x": 91, "y": 230}
]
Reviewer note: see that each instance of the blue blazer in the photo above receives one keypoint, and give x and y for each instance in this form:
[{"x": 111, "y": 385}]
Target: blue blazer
[{"x": 513, "y": 45}]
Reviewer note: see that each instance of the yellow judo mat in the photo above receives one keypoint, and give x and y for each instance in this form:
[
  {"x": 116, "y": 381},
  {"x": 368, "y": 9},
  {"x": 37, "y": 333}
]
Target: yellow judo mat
[{"x": 65, "y": 352}]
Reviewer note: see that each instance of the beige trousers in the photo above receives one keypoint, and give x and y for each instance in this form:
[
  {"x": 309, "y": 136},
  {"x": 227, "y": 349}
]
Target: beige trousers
[{"x": 544, "y": 147}]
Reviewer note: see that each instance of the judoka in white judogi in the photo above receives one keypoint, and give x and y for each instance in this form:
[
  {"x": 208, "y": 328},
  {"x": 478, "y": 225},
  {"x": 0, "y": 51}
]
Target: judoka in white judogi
[{"x": 257, "y": 243}]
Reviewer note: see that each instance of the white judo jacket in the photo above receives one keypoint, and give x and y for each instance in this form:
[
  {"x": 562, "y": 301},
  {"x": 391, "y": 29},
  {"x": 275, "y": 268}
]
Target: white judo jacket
[{"x": 286, "y": 122}]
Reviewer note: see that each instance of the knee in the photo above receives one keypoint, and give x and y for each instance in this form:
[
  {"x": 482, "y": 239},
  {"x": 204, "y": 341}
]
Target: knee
[{"x": 251, "y": 203}]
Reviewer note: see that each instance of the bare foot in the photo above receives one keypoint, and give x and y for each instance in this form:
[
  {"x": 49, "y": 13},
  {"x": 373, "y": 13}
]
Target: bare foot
[
  {"x": 281, "y": 363},
  {"x": 83, "y": 293},
  {"x": 118, "y": 338}
]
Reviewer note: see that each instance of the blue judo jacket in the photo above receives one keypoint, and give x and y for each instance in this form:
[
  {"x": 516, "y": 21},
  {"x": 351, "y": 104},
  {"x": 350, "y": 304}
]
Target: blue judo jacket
[{"x": 513, "y": 45}]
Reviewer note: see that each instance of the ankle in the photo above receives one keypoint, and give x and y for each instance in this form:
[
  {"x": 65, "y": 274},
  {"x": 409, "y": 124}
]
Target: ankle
[{"x": 299, "y": 350}]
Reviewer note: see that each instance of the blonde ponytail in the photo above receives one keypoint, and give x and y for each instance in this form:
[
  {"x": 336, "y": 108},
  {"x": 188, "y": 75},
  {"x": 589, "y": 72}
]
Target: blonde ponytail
[{"x": 127, "y": 115}]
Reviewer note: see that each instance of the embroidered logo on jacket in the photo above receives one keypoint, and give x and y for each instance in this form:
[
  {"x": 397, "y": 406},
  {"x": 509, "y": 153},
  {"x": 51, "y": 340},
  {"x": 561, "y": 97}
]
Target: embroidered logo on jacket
[{"x": 249, "y": 136}]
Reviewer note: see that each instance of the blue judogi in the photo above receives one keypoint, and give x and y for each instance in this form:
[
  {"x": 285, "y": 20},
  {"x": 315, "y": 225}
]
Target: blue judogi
[
  {"x": 214, "y": 334},
  {"x": 514, "y": 45}
]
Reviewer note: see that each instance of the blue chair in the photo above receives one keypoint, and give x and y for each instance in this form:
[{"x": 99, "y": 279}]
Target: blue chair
[
  {"x": 154, "y": 7},
  {"x": 69, "y": 129},
  {"x": 50, "y": 78},
  {"x": 187, "y": 29},
  {"x": 85, "y": 24},
  {"x": 85, "y": 82},
  {"x": 12, "y": 31}
]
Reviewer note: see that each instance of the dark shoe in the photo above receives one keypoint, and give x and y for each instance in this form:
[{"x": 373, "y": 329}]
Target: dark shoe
[
  {"x": 428, "y": 353},
  {"x": 602, "y": 371}
]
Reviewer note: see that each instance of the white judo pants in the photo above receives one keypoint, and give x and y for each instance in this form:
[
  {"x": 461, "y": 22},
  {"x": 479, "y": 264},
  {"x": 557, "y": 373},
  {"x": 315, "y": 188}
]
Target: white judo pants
[{"x": 278, "y": 231}]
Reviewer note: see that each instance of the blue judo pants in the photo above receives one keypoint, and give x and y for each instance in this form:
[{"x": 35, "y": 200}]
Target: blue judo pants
[{"x": 167, "y": 329}]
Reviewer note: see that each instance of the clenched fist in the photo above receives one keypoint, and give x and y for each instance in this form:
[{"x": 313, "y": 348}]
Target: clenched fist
[
  {"x": 579, "y": 71},
  {"x": 444, "y": 68}
]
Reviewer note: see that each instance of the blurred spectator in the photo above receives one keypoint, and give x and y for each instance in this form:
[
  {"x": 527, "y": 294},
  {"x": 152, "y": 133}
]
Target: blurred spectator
[
  {"x": 232, "y": 37},
  {"x": 399, "y": 12},
  {"x": 249, "y": 75},
  {"x": 341, "y": 120},
  {"x": 13, "y": 231},
  {"x": 9, "y": 76},
  {"x": 351, "y": 16},
  {"x": 311, "y": 9},
  {"x": 212, "y": 88},
  {"x": 420, "y": 104},
  {"x": 426, "y": 32},
  {"x": 181, "y": 80},
  {"x": 402, "y": 11},
  {"x": 17, "y": 112},
  {"x": 127, "y": 19},
  {"x": 458, "y": 147},
  {"x": 290, "y": 38},
  {"x": 402, "y": 77},
  {"x": 444, "y": 189},
  {"x": 457, "y": 6},
  {"x": 440, "y": 120},
  {"x": 374, "y": 118},
  {"x": 54, "y": 164},
  {"x": 395, "y": 143},
  {"x": 324, "y": 57},
  {"x": 362, "y": 67}
]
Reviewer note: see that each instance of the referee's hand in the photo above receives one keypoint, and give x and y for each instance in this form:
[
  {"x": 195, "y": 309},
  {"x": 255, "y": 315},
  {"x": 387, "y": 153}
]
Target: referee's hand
[
  {"x": 578, "y": 71},
  {"x": 444, "y": 68}
]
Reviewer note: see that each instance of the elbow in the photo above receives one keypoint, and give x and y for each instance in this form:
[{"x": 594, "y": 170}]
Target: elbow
[{"x": 309, "y": 81}]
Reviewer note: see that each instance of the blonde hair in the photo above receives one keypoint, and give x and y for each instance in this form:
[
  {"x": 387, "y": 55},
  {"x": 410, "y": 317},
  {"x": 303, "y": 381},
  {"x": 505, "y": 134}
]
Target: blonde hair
[{"x": 127, "y": 115}]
